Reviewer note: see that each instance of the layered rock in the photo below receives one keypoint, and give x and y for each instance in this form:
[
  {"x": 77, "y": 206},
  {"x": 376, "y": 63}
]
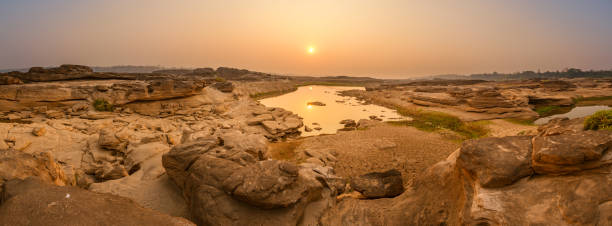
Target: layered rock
[
  {"x": 277, "y": 122},
  {"x": 228, "y": 186}
]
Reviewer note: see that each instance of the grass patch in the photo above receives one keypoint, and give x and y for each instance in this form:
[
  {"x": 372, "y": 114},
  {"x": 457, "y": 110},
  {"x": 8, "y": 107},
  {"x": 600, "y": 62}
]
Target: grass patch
[
  {"x": 103, "y": 105},
  {"x": 601, "y": 120},
  {"x": 219, "y": 79},
  {"x": 520, "y": 121},
  {"x": 432, "y": 121},
  {"x": 589, "y": 101},
  {"x": 284, "y": 150}
]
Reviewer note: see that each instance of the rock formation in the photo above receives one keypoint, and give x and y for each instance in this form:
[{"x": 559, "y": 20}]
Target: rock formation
[
  {"x": 549, "y": 179},
  {"x": 228, "y": 186}
]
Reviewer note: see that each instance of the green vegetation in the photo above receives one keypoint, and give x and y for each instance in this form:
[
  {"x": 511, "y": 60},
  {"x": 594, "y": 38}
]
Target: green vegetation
[
  {"x": 219, "y": 79},
  {"x": 549, "y": 110},
  {"x": 601, "y": 120},
  {"x": 527, "y": 122},
  {"x": 103, "y": 105},
  {"x": 588, "y": 101},
  {"x": 432, "y": 121}
]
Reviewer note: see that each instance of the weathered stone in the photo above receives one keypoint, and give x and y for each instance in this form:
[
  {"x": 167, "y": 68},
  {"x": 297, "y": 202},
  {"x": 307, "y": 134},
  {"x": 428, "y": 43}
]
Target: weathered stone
[
  {"x": 386, "y": 184},
  {"x": 19, "y": 165},
  {"x": 511, "y": 155},
  {"x": 226, "y": 87},
  {"x": 39, "y": 131},
  {"x": 567, "y": 153}
]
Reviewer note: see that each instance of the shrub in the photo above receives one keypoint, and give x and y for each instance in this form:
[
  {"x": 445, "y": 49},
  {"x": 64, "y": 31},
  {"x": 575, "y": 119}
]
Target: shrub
[
  {"x": 219, "y": 79},
  {"x": 103, "y": 105},
  {"x": 601, "y": 120}
]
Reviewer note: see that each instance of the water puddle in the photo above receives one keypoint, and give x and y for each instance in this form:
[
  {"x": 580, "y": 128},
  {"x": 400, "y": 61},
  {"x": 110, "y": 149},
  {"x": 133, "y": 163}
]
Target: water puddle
[
  {"x": 576, "y": 112},
  {"x": 323, "y": 109}
]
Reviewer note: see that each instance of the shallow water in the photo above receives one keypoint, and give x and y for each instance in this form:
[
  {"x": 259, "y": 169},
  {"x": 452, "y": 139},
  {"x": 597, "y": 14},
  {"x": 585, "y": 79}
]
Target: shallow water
[
  {"x": 576, "y": 112},
  {"x": 336, "y": 108}
]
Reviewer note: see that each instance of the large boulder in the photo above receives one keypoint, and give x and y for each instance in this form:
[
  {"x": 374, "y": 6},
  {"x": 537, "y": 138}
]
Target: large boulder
[
  {"x": 229, "y": 186},
  {"x": 512, "y": 157},
  {"x": 30, "y": 202},
  {"x": 567, "y": 153}
]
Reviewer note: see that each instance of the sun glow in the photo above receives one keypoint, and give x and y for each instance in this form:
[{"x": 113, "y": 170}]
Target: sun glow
[{"x": 311, "y": 50}]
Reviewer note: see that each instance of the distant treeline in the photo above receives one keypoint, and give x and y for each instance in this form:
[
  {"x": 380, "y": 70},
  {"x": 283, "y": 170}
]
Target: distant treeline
[{"x": 569, "y": 73}]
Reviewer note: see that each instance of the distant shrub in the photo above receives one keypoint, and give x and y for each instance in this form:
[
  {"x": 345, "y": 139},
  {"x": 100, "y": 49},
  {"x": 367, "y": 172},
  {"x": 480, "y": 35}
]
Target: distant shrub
[
  {"x": 601, "y": 120},
  {"x": 219, "y": 79},
  {"x": 103, "y": 105}
]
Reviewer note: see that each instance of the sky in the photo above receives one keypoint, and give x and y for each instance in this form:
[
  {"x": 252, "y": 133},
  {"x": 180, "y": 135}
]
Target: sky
[{"x": 386, "y": 38}]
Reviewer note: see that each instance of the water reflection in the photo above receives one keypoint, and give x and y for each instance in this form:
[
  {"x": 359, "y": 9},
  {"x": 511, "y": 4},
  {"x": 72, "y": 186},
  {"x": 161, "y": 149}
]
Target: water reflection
[
  {"x": 576, "y": 112},
  {"x": 336, "y": 108}
]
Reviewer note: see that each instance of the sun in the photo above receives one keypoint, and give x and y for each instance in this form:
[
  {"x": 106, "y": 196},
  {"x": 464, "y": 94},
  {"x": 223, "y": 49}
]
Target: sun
[{"x": 311, "y": 50}]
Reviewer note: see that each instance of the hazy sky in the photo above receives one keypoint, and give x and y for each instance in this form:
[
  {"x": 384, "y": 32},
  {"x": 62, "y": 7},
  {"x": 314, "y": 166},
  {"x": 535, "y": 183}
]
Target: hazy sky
[{"x": 376, "y": 38}]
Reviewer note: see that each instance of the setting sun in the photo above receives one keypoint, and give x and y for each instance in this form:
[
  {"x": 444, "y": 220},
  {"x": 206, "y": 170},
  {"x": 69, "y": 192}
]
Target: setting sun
[{"x": 311, "y": 50}]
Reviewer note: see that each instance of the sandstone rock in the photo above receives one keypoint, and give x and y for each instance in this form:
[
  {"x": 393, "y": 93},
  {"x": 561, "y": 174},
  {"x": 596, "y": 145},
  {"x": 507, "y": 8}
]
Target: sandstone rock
[
  {"x": 54, "y": 114},
  {"x": 39, "y": 131},
  {"x": 267, "y": 184},
  {"x": 253, "y": 144},
  {"x": 229, "y": 186},
  {"x": 110, "y": 171},
  {"x": 18, "y": 165},
  {"x": 226, "y": 87},
  {"x": 558, "y": 126},
  {"x": 365, "y": 123},
  {"x": 259, "y": 118},
  {"x": 348, "y": 123},
  {"x": 316, "y": 103},
  {"x": 109, "y": 140},
  {"x": 9, "y": 80},
  {"x": 31, "y": 202},
  {"x": 386, "y": 184},
  {"x": 567, "y": 153},
  {"x": 511, "y": 157}
]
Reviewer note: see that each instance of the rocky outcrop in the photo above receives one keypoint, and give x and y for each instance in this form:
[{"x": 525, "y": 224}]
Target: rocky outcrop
[
  {"x": 30, "y": 202},
  {"x": 226, "y": 87},
  {"x": 228, "y": 186},
  {"x": 277, "y": 122},
  {"x": 43, "y": 90},
  {"x": 19, "y": 165},
  {"x": 502, "y": 181}
]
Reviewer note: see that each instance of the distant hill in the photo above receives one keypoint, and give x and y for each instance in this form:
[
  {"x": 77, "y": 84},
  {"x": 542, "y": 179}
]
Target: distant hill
[
  {"x": 568, "y": 73},
  {"x": 128, "y": 69}
]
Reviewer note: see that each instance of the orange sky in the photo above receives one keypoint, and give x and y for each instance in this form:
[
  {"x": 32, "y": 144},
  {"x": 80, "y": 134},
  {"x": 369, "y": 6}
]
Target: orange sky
[{"x": 369, "y": 38}]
